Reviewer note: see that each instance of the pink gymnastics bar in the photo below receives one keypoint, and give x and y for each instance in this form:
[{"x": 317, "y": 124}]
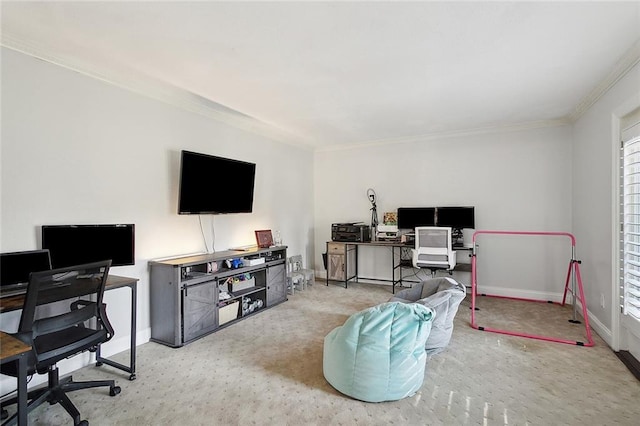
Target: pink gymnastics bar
[{"x": 574, "y": 267}]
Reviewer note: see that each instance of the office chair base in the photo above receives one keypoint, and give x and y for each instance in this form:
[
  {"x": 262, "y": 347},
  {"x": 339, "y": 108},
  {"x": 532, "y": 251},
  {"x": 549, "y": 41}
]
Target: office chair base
[
  {"x": 55, "y": 393},
  {"x": 435, "y": 270}
]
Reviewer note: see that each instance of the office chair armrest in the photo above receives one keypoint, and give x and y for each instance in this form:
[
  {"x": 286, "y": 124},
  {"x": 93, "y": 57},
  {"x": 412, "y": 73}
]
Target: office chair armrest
[
  {"x": 102, "y": 315},
  {"x": 105, "y": 321}
]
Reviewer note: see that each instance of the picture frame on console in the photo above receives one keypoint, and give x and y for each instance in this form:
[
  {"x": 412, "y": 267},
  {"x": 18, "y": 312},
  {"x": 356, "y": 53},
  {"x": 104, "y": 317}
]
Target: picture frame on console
[{"x": 264, "y": 238}]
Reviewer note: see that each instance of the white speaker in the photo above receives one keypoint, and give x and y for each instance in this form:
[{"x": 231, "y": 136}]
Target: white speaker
[{"x": 467, "y": 237}]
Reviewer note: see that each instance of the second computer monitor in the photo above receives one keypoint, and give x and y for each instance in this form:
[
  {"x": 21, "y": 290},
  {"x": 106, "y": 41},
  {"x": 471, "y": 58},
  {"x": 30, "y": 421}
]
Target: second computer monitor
[{"x": 456, "y": 217}]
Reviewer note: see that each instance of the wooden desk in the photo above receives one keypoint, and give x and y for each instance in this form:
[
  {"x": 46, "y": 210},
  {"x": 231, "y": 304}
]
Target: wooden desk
[
  {"x": 14, "y": 303},
  {"x": 342, "y": 261},
  {"x": 13, "y": 350}
]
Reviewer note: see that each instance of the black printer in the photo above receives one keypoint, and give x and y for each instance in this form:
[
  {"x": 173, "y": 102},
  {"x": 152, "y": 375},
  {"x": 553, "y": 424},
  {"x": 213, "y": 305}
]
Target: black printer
[{"x": 350, "y": 232}]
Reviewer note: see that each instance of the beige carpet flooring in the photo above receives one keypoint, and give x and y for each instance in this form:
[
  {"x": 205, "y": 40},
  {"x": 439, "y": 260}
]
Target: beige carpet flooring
[{"x": 267, "y": 370}]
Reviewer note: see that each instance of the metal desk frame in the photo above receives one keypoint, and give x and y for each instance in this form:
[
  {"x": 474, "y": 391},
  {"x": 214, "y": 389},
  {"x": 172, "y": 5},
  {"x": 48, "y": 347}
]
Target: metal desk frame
[
  {"x": 397, "y": 250},
  {"x": 113, "y": 282},
  {"x": 398, "y": 261}
]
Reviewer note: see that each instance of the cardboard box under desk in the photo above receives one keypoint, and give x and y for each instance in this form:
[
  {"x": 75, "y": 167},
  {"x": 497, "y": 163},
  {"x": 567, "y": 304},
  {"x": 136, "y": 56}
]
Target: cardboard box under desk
[{"x": 228, "y": 312}]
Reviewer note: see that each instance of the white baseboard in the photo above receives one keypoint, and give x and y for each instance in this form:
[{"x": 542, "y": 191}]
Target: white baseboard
[
  {"x": 599, "y": 328},
  {"x": 121, "y": 344},
  {"x": 521, "y": 294}
]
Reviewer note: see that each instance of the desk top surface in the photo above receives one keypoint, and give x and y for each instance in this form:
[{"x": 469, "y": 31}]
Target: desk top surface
[
  {"x": 375, "y": 243},
  {"x": 392, "y": 244},
  {"x": 13, "y": 303},
  {"x": 10, "y": 347}
]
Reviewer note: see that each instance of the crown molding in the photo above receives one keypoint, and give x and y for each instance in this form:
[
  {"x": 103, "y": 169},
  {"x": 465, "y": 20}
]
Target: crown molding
[
  {"x": 156, "y": 89},
  {"x": 498, "y": 129},
  {"x": 161, "y": 91},
  {"x": 622, "y": 67}
]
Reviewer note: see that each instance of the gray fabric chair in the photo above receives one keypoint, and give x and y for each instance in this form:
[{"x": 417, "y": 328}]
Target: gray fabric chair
[{"x": 443, "y": 295}]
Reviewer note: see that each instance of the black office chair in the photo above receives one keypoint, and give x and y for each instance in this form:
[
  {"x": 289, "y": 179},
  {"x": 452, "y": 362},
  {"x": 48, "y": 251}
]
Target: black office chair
[{"x": 63, "y": 315}]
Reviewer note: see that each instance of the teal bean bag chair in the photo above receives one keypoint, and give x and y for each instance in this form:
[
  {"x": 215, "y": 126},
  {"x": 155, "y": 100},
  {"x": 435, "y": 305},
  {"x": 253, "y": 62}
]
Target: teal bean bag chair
[{"x": 378, "y": 354}]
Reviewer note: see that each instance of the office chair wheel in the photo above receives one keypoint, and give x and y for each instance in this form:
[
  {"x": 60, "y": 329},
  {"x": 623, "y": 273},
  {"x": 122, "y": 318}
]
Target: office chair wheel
[
  {"x": 83, "y": 423},
  {"x": 114, "y": 390},
  {"x": 132, "y": 377}
]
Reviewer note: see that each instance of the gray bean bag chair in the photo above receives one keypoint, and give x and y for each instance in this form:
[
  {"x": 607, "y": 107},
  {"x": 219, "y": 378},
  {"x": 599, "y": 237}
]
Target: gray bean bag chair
[{"x": 443, "y": 295}]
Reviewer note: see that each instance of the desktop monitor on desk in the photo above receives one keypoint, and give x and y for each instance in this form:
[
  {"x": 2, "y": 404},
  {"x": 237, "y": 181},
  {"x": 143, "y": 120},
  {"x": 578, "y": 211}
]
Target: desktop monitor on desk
[
  {"x": 78, "y": 244},
  {"x": 456, "y": 217},
  {"x": 412, "y": 217},
  {"x": 16, "y": 267}
]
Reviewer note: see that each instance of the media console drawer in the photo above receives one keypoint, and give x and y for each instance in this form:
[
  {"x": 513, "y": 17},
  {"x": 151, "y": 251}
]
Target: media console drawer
[{"x": 335, "y": 248}]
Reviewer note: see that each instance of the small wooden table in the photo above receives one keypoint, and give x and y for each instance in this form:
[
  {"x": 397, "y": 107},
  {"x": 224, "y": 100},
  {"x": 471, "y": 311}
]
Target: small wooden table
[{"x": 13, "y": 350}]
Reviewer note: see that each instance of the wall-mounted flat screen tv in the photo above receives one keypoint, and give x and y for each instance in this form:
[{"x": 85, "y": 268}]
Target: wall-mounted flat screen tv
[
  {"x": 412, "y": 217},
  {"x": 456, "y": 217},
  {"x": 71, "y": 245},
  {"x": 215, "y": 185}
]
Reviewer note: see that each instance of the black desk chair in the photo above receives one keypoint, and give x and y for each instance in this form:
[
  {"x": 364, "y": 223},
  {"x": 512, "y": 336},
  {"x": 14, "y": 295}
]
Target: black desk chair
[{"x": 76, "y": 323}]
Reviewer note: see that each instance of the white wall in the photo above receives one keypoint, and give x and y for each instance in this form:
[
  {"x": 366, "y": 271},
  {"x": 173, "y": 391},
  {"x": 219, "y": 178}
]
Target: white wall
[
  {"x": 517, "y": 180},
  {"x": 596, "y": 147},
  {"x": 78, "y": 150}
]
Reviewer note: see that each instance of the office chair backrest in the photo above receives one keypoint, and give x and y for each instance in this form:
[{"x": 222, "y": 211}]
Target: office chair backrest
[
  {"x": 433, "y": 237},
  {"x": 63, "y": 313}
]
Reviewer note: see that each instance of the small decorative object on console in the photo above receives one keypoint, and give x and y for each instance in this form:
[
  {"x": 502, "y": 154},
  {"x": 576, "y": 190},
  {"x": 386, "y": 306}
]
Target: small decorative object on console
[
  {"x": 253, "y": 261},
  {"x": 390, "y": 218},
  {"x": 264, "y": 238},
  {"x": 234, "y": 263}
]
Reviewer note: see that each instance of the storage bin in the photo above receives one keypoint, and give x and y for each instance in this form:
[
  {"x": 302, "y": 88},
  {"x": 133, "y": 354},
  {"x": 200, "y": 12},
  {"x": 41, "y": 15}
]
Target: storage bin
[
  {"x": 228, "y": 313},
  {"x": 243, "y": 285}
]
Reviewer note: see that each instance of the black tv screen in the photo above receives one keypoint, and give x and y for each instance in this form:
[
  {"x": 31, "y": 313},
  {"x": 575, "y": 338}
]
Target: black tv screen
[
  {"x": 456, "y": 217},
  {"x": 215, "y": 185},
  {"x": 71, "y": 245},
  {"x": 412, "y": 217}
]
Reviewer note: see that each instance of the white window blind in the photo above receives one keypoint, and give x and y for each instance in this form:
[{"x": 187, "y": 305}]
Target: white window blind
[{"x": 630, "y": 229}]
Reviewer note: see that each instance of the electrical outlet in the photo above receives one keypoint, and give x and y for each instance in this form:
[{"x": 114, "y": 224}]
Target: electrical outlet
[{"x": 602, "y": 300}]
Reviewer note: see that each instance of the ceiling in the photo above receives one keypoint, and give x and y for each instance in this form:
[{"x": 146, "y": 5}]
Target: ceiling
[{"x": 325, "y": 74}]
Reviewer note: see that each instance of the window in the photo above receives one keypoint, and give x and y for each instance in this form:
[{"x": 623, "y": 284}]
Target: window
[{"x": 630, "y": 218}]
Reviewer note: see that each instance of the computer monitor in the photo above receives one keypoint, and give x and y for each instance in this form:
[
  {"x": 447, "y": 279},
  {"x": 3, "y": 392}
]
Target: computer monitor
[
  {"x": 16, "y": 267},
  {"x": 77, "y": 244},
  {"x": 412, "y": 217},
  {"x": 456, "y": 217}
]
